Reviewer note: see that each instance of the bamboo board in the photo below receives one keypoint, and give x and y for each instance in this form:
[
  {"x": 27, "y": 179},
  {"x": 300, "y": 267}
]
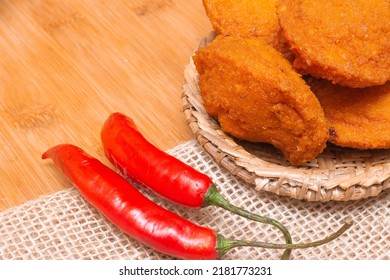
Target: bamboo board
[{"x": 66, "y": 65}]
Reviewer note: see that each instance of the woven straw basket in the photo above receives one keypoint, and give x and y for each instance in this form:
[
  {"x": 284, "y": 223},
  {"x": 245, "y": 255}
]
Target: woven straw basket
[{"x": 338, "y": 174}]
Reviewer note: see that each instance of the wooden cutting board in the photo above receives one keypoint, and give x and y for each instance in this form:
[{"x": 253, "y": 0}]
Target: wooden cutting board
[{"x": 66, "y": 65}]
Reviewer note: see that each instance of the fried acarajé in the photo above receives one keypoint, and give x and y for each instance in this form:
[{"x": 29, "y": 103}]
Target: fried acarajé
[
  {"x": 247, "y": 18},
  {"x": 257, "y": 96},
  {"x": 360, "y": 118},
  {"x": 347, "y": 42}
]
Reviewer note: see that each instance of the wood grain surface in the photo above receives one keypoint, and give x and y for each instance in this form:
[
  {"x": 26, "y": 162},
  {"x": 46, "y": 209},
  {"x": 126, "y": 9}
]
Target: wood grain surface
[{"x": 66, "y": 65}]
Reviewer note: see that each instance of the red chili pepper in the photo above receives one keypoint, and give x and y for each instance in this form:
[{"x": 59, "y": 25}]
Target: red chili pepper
[
  {"x": 131, "y": 211},
  {"x": 148, "y": 166},
  {"x": 141, "y": 218}
]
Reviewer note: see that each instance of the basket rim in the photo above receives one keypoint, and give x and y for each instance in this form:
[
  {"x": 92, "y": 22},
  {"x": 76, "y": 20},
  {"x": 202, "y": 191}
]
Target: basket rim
[{"x": 338, "y": 174}]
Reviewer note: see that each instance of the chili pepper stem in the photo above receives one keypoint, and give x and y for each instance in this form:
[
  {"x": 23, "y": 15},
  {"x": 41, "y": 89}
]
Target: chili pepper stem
[
  {"x": 213, "y": 197},
  {"x": 224, "y": 244}
]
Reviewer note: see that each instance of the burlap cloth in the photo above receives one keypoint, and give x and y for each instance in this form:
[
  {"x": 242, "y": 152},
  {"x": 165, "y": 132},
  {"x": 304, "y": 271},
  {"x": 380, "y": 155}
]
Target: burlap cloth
[{"x": 64, "y": 226}]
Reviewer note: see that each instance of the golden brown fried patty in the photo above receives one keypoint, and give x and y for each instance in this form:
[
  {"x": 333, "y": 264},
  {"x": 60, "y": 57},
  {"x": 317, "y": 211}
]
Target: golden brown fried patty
[
  {"x": 257, "y": 96},
  {"x": 347, "y": 42},
  {"x": 360, "y": 117},
  {"x": 247, "y": 18}
]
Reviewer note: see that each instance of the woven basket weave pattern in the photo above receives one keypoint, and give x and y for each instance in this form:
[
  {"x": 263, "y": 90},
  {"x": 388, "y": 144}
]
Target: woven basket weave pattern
[{"x": 340, "y": 174}]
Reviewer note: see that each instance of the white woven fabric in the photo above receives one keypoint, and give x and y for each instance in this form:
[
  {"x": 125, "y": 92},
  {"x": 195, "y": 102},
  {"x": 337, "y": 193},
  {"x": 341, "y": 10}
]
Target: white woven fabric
[{"x": 64, "y": 226}]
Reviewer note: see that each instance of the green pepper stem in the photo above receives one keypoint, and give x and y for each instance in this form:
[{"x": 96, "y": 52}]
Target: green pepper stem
[
  {"x": 213, "y": 197},
  {"x": 224, "y": 245}
]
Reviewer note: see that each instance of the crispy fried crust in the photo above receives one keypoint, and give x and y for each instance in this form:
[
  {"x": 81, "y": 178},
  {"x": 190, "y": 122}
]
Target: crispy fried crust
[
  {"x": 257, "y": 96},
  {"x": 360, "y": 118},
  {"x": 347, "y": 42},
  {"x": 248, "y": 18}
]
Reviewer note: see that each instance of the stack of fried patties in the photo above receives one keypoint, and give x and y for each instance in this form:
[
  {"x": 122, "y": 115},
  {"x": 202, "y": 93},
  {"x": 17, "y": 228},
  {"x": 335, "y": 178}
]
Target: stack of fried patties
[{"x": 299, "y": 73}]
